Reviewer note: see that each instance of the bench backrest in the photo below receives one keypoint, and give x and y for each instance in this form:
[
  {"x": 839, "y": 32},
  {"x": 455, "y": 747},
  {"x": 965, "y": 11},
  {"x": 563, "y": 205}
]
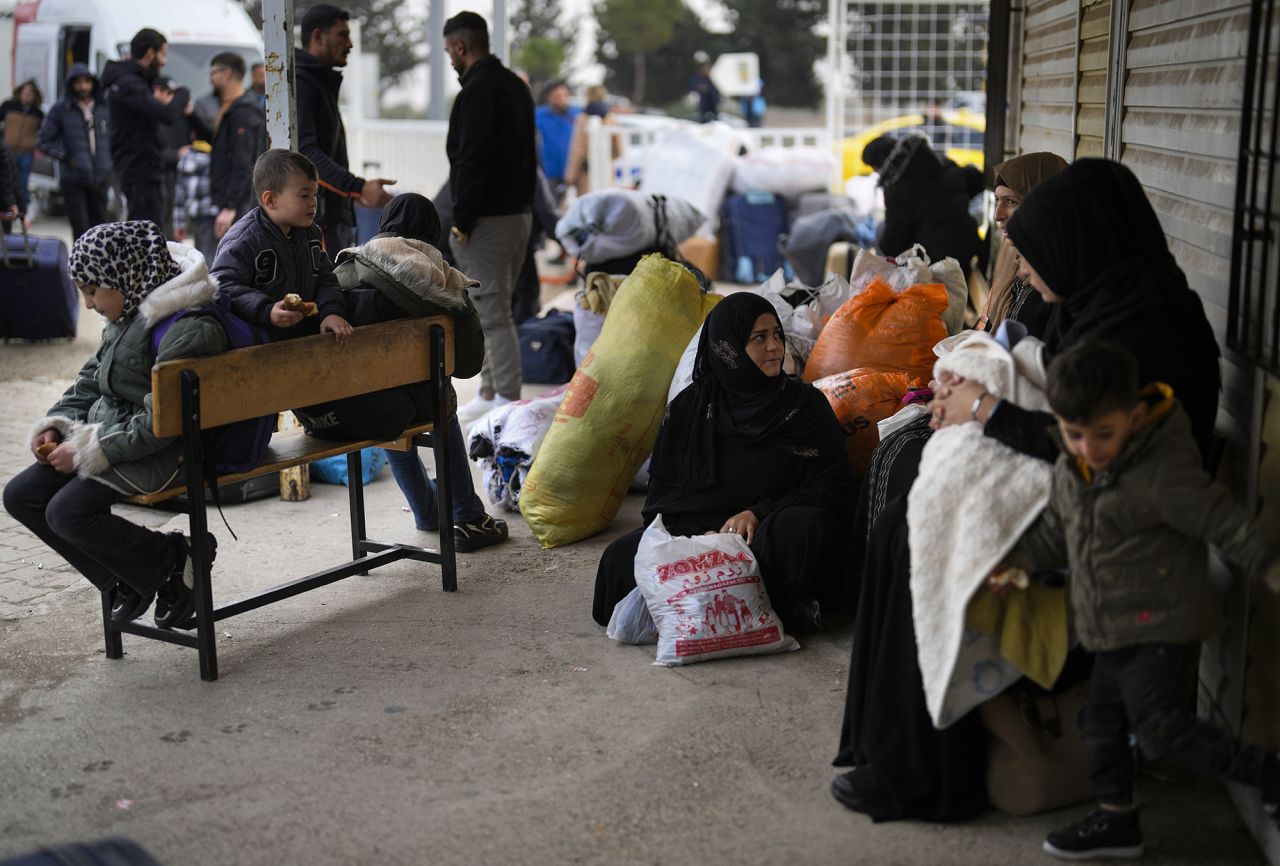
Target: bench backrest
[{"x": 263, "y": 380}]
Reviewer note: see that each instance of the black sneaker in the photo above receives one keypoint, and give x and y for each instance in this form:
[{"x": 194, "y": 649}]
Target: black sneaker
[
  {"x": 485, "y": 532},
  {"x": 176, "y": 600},
  {"x": 127, "y": 604},
  {"x": 1100, "y": 835}
]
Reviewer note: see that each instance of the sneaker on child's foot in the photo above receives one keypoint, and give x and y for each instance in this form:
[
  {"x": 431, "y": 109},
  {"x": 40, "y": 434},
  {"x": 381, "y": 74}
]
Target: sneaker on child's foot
[
  {"x": 1101, "y": 834},
  {"x": 476, "y": 408},
  {"x": 176, "y": 600},
  {"x": 128, "y": 604},
  {"x": 485, "y": 532}
]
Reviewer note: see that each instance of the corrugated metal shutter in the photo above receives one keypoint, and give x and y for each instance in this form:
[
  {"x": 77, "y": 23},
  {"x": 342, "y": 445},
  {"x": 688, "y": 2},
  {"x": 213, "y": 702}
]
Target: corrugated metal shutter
[
  {"x": 1179, "y": 134},
  {"x": 1048, "y": 77},
  {"x": 1091, "y": 96}
]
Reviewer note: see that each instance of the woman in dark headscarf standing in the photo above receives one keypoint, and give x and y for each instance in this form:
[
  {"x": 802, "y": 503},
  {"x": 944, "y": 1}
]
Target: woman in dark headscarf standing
[
  {"x": 749, "y": 449},
  {"x": 1093, "y": 248},
  {"x": 926, "y": 200}
]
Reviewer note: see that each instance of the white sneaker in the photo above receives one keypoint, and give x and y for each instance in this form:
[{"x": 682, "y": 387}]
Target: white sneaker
[{"x": 478, "y": 407}]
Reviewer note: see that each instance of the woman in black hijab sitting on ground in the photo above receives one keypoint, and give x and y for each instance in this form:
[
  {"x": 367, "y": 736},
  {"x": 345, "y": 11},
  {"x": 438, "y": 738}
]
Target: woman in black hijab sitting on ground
[
  {"x": 1092, "y": 246},
  {"x": 748, "y": 449}
]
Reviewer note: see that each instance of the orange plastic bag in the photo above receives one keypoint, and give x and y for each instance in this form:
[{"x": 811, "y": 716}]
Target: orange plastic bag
[
  {"x": 882, "y": 329},
  {"x": 861, "y": 399}
]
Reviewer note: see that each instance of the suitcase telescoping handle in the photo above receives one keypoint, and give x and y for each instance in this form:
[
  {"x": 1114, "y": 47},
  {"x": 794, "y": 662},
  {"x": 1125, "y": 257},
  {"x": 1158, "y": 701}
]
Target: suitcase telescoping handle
[{"x": 6, "y": 253}]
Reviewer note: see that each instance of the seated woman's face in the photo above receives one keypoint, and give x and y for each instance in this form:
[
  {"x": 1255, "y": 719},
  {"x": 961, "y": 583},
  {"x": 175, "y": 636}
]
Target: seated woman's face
[
  {"x": 1007, "y": 202},
  {"x": 1028, "y": 274},
  {"x": 765, "y": 345}
]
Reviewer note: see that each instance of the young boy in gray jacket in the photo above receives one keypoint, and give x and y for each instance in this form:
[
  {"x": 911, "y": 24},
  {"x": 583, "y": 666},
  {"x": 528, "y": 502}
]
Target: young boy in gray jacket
[{"x": 1132, "y": 514}]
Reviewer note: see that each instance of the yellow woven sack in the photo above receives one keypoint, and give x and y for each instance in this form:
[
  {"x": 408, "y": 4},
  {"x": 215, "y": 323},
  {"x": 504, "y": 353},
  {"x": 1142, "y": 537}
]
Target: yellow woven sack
[{"x": 609, "y": 418}]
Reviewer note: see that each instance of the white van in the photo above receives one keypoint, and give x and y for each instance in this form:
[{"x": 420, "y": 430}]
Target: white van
[{"x": 51, "y": 35}]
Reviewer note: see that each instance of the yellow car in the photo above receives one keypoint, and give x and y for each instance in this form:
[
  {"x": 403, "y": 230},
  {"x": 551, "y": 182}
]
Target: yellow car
[{"x": 959, "y": 134}]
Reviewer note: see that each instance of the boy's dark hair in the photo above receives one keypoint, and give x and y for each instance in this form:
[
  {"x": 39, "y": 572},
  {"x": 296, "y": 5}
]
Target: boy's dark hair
[
  {"x": 471, "y": 29},
  {"x": 231, "y": 61},
  {"x": 1091, "y": 379},
  {"x": 322, "y": 16},
  {"x": 145, "y": 40},
  {"x": 275, "y": 167}
]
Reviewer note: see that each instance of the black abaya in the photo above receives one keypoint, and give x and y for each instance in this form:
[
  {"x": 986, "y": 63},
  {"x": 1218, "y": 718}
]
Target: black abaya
[{"x": 929, "y": 774}]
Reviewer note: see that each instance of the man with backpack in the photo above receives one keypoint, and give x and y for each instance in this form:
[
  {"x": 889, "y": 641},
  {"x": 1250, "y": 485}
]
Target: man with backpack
[{"x": 326, "y": 40}]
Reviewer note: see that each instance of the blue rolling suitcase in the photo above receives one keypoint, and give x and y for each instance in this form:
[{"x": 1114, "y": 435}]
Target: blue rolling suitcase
[
  {"x": 37, "y": 298},
  {"x": 749, "y": 228}
]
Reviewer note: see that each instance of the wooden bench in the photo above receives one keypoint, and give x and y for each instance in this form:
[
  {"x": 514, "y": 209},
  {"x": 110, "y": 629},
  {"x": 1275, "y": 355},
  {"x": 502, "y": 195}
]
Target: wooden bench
[{"x": 196, "y": 394}]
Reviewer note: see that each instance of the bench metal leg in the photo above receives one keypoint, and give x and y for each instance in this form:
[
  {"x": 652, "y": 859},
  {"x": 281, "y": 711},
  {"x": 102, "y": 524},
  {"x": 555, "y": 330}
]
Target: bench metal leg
[
  {"x": 206, "y": 633},
  {"x": 115, "y": 648},
  {"x": 355, "y": 491},
  {"x": 440, "y": 446}
]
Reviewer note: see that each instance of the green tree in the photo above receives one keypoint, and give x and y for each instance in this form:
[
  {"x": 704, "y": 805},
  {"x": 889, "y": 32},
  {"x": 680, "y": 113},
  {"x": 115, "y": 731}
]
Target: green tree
[
  {"x": 782, "y": 33},
  {"x": 637, "y": 28},
  {"x": 538, "y": 41},
  {"x": 387, "y": 28},
  {"x": 669, "y": 67}
]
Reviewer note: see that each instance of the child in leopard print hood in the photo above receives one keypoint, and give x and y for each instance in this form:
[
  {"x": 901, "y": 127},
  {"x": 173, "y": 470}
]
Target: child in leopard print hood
[{"x": 95, "y": 446}]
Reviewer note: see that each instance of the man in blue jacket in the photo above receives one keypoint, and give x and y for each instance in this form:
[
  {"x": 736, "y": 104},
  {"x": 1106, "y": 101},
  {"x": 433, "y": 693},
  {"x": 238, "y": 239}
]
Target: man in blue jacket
[
  {"x": 322, "y": 138},
  {"x": 75, "y": 133},
  {"x": 555, "y": 129},
  {"x": 139, "y": 105},
  {"x": 492, "y": 166}
]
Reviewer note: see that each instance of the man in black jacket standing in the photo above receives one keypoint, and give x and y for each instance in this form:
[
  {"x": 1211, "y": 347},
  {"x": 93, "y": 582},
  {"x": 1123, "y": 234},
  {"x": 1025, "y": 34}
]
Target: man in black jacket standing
[
  {"x": 322, "y": 137},
  {"x": 138, "y": 107},
  {"x": 492, "y": 167},
  {"x": 239, "y": 138},
  {"x": 75, "y": 133}
]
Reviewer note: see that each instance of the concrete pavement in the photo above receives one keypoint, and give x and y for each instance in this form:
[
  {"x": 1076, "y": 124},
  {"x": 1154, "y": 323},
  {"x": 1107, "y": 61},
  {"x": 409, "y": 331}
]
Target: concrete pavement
[{"x": 382, "y": 720}]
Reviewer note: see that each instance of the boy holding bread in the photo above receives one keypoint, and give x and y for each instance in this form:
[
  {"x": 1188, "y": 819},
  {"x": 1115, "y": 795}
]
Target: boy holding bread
[{"x": 271, "y": 266}]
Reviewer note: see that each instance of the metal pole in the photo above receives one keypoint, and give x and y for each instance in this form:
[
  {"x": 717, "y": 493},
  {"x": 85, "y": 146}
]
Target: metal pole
[
  {"x": 277, "y": 43},
  {"x": 499, "y": 32},
  {"x": 998, "y": 15},
  {"x": 435, "y": 57},
  {"x": 835, "y": 94}
]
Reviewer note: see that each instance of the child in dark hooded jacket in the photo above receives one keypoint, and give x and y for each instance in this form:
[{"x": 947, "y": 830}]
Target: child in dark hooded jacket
[{"x": 401, "y": 262}]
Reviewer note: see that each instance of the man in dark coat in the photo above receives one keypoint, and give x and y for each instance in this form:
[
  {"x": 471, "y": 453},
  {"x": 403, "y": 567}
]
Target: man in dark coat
[
  {"x": 138, "y": 108},
  {"x": 492, "y": 166},
  {"x": 240, "y": 137},
  {"x": 321, "y": 135},
  {"x": 75, "y": 132}
]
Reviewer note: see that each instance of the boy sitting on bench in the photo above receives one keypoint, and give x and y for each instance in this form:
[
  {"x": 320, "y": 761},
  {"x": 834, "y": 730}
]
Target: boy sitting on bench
[{"x": 271, "y": 266}]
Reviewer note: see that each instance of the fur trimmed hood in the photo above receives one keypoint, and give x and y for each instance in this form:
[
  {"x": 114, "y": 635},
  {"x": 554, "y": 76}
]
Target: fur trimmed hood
[
  {"x": 412, "y": 264},
  {"x": 190, "y": 288}
]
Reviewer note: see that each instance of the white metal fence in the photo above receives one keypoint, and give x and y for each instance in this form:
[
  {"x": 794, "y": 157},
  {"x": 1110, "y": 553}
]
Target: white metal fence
[
  {"x": 635, "y": 144},
  {"x": 412, "y": 152}
]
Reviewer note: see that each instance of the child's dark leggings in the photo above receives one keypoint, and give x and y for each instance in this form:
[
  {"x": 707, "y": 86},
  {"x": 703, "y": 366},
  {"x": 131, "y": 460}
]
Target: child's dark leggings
[
  {"x": 73, "y": 516},
  {"x": 1140, "y": 690}
]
